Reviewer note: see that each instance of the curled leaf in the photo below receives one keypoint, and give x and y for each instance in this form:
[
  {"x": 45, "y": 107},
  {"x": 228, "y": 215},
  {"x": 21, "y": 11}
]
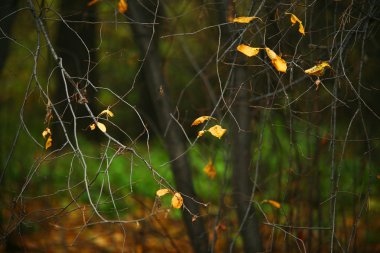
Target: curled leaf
[
  {"x": 272, "y": 203},
  {"x": 294, "y": 19},
  {"x": 49, "y": 142},
  {"x": 162, "y": 192},
  {"x": 200, "y": 120},
  {"x": 217, "y": 131},
  {"x": 122, "y": 6},
  {"x": 101, "y": 126},
  {"x": 209, "y": 169},
  {"x": 92, "y": 126},
  {"x": 247, "y": 50},
  {"x": 277, "y": 61},
  {"x": 107, "y": 112},
  {"x": 177, "y": 200},
  {"x": 318, "y": 70},
  {"x": 244, "y": 20},
  {"x": 46, "y": 132}
]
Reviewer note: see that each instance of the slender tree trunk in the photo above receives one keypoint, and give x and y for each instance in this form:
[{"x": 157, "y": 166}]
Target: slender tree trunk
[{"x": 155, "y": 81}]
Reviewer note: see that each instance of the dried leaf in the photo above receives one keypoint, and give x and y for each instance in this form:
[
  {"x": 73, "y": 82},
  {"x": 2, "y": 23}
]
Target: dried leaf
[
  {"x": 272, "y": 202},
  {"x": 162, "y": 192},
  {"x": 46, "y": 132},
  {"x": 247, "y": 50},
  {"x": 49, "y": 142},
  {"x": 318, "y": 70},
  {"x": 177, "y": 200},
  {"x": 294, "y": 19},
  {"x": 101, "y": 126},
  {"x": 209, "y": 169},
  {"x": 108, "y": 112},
  {"x": 217, "y": 131},
  {"x": 244, "y": 20},
  {"x": 200, "y": 120},
  {"x": 92, "y": 126},
  {"x": 122, "y": 6},
  {"x": 277, "y": 61}
]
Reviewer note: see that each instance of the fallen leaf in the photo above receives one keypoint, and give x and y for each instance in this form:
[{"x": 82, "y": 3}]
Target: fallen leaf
[
  {"x": 277, "y": 61},
  {"x": 200, "y": 120},
  {"x": 177, "y": 200},
  {"x": 108, "y": 112},
  {"x": 92, "y": 126},
  {"x": 244, "y": 20},
  {"x": 122, "y": 6},
  {"x": 247, "y": 50},
  {"x": 272, "y": 202},
  {"x": 101, "y": 126},
  {"x": 294, "y": 19},
  {"x": 162, "y": 192},
  {"x": 318, "y": 70},
  {"x": 49, "y": 142},
  {"x": 46, "y": 132},
  {"x": 209, "y": 169},
  {"x": 217, "y": 131}
]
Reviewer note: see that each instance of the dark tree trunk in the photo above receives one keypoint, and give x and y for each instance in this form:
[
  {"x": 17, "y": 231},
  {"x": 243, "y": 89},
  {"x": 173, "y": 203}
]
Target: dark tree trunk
[{"x": 155, "y": 81}]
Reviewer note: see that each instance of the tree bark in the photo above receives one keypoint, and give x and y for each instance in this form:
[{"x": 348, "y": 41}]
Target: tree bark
[{"x": 155, "y": 81}]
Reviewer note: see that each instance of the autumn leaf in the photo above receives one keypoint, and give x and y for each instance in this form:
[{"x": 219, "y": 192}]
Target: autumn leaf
[
  {"x": 217, "y": 131},
  {"x": 244, "y": 20},
  {"x": 318, "y": 70},
  {"x": 92, "y": 126},
  {"x": 107, "y": 112},
  {"x": 200, "y": 120},
  {"x": 177, "y": 200},
  {"x": 294, "y": 19},
  {"x": 122, "y": 6},
  {"x": 162, "y": 192},
  {"x": 277, "y": 61},
  {"x": 209, "y": 169},
  {"x": 247, "y": 50},
  {"x": 201, "y": 133},
  {"x": 101, "y": 126},
  {"x": 272, "y": 202},
  {"x": 46, "y": 132},
  {"x": 49, "y": 142}
]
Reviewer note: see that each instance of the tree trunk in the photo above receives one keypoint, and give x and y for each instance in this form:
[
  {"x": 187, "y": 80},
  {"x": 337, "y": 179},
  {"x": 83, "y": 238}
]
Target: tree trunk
[{"x": 155, "y": 81}]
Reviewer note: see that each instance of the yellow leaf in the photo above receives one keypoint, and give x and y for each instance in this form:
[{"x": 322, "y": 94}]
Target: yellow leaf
[
  {"x": 46, "y": 132},
  {"x": 92, "y": 126},
  {"x": 217, "y": 131},
  {"x": 244, "y": 20},
  {"x": 177, "y": 200},
  {"x": 101, "y": 126},
  {"x": 277, "y": 61},
  {"x": 318, "y": 70},
  {"x": 247, "y": 50},
  {"x": 294, "y": 19},
  {"x": 49, "y": 142},
  {"x": 162, "y": 192},
  {"x": 108, "y": 112},
  {"x": 272, "y": 202},
  {"x": 201, "y": 133},
  {"x": 200, "y": 120},
  {"x": 209, "y": 169},
  {"x": 122, "y": 6}
]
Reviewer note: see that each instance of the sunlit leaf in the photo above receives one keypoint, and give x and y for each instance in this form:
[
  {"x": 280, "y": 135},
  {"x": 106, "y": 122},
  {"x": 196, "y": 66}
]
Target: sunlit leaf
[
  {"x": 92, "y": 126},
  {"x": 277, "y": 61},
  {"x": 201, "y": 133},
  {"x": 200, "y": 120},
  {"x": 318, "y": 70},
  {"x": 209, "y": 170},
  {"x": 46, "y": 132},
  {"x": 177, "y": 200},
  {"x": 294, "y": 19},
  {"x": 244, "y": 20},
  {"x": 108, "y": 112},
  {"x": 49, "y": 142},
  {"x": 122, "y": 6},
  {"x": 272, "y": 203},
  {"x": 101, "y": 126},
  {"x": 217, "y": 131},
  {"x": 162, "y": 192},
  {"x": 247, "y": 50}
]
